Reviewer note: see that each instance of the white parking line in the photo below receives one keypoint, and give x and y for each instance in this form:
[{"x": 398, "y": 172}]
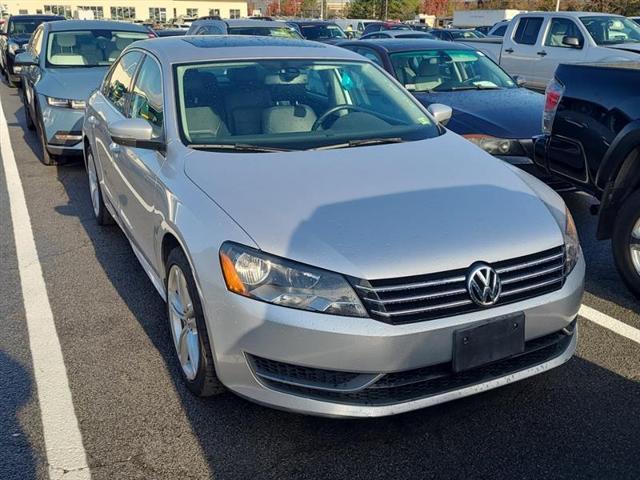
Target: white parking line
[
  {"x": 63, "y": 442},
  {"x": 610, "y": 323}
]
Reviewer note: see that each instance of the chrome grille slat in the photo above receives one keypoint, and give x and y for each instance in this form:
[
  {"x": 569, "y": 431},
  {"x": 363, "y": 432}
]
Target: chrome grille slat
[
  {"x": 427, "y": 297},
  {"x": 528, "y": 276},
  {"x": 412, "y": 286},
  {"x": 412, "y": 311},
  {"x": 529, "y": 264},
  {"x": 416, "y": 298},
  {"x": 535, "y": 286}
]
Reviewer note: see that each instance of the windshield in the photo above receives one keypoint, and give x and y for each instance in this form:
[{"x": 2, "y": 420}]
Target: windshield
[
  {"x": 285, "y": 32},
  {"x": 23, "y": 27},
  {"x": 88, "y": 48},
  {"x": 466, "y": 34},
  {"x": 448, "y": 70},
  {"x": 295, "y": 105},
  {"x": 612, "y": 30},
  {"x": 321, "y": 32}
]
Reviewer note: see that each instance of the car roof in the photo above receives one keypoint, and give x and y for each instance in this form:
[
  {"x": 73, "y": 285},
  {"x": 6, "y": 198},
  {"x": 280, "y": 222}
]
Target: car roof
[
  {"x": 202, "y": 48},
  {"x": 69, "y": 25},
  {"x": 303, "y": 23},
  {"x": 406, "y": 45},
  {"x": 34, "y": 17},
  {"x": 242, "y": 23},
  {"x": 571, "y": 14}
]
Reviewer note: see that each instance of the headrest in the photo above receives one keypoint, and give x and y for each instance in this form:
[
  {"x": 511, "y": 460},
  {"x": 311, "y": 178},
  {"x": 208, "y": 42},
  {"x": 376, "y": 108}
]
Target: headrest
[
  {"x": 429, "y": 67},
  {"x": 244, "y": 76},
  {"x": 66, "y": 39}
]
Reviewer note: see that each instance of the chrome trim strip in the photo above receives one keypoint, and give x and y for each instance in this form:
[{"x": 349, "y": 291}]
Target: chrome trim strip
[
  {"x": 410, "y": 286},
  {"x": 531, "y": 263},
  {"x": 532, "y": 275},
  {"x": 416, "y": 298},
  {"x": 422, "y": 310},
  {"x": 532, "y": 287}
]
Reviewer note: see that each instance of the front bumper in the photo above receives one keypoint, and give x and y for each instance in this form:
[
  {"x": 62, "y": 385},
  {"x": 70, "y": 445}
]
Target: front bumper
[
  {"x": 244, "y": 331},
  {"x": 62, "y": 128}
]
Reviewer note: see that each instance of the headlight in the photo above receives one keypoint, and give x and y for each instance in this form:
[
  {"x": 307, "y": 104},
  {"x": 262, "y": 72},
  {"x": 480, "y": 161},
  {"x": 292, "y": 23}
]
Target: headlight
[
  {"x": 571, "y": 243},
  {"x": 66, "y": 103},
  {"x": 271, "y": 279},
  {"x": 496, "y": 146},
  {"x": 13, "y": 48}
]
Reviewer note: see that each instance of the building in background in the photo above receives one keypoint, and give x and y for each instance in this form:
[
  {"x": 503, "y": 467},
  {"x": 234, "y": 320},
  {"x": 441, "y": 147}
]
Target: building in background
[{"x": 153, "y": 10}]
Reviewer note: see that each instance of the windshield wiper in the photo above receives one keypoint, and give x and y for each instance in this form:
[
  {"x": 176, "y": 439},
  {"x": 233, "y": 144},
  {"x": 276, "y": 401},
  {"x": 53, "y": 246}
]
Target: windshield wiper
[
  {"x": 474, "y": 87},
  {"x": 238, "y": 147},
  {"x": 361, "y": 143}
]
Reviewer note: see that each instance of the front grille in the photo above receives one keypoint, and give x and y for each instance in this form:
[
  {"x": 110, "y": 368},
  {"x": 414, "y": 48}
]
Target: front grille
[
  {"x": 426, "y": 297},
  {"x": 391, "y": 388}
]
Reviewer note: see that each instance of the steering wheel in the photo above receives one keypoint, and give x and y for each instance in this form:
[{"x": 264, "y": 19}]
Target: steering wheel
[
  {"x": 469, "y": 80},
  {"x": 321, "y": 119}
]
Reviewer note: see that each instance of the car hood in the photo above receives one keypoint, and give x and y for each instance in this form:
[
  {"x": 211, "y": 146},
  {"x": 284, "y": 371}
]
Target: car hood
[
  {"x": 382, "y": 211},
  {"x": 73, "y": 83},
  {"x": 504, "y": 113}
]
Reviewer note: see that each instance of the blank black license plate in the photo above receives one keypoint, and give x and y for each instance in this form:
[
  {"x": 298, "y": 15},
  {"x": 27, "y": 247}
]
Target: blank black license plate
[{"x": 499, "y": 338}]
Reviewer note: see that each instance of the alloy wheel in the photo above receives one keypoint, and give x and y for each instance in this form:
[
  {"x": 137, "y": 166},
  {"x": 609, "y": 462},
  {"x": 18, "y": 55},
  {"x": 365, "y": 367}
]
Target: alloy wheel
[
  {"x": 182, "y": 320},
  {"x": 93, "y": 185},
  {"x": 634, "y": 246}
]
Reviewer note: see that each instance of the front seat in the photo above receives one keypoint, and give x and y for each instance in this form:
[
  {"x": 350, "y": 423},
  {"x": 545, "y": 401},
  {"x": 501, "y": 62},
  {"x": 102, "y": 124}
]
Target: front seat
[
  {"x": 428, "y": 76},
  {"x": 288, "y": 119},
  {"x": 245, "y": 103}
]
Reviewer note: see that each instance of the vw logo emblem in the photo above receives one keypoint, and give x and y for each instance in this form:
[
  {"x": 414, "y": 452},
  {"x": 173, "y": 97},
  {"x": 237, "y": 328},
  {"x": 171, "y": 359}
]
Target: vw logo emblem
[{"x": 483, "y": 285}]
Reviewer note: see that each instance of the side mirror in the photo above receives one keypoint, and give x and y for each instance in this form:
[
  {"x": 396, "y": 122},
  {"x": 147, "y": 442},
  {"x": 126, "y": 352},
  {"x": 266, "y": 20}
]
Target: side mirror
[
  {"x": 136, "y": 133},
  {"x": 573, "y": 42},
  {"x": 520, "y": 80},
  {"x": 25, "y": 59},
  {"x": 441, "y": 113}
]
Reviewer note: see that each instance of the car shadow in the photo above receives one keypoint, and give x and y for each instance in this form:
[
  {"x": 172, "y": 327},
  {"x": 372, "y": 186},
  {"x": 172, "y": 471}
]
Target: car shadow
[
  {"x": 17, "y": 460},
  {"x": 566, "y": 423}
]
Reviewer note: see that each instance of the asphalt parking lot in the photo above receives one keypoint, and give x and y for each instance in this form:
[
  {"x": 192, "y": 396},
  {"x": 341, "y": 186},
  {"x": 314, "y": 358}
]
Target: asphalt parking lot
[{"x": 577, "y": 421}]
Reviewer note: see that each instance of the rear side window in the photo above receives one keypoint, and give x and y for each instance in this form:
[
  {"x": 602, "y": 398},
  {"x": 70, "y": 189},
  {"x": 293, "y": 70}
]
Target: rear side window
[
  {"x": 500, "y": 31},
  {"x": 146, "y": 98},
  {"x": 119, "y": 84},
  {"x": 528, "y": 30}
]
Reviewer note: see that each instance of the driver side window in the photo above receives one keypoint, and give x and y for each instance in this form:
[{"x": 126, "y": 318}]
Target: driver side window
[
  {"x": 36, "y": 42},
  {"x": 559, "y": 29}
]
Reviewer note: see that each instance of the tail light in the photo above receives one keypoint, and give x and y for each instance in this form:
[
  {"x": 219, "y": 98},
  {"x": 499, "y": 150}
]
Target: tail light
[{"x": 553, "y": 94}]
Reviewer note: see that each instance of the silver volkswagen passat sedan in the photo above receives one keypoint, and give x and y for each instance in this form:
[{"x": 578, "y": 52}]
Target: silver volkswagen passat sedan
[{"x": 324, "y": 245}]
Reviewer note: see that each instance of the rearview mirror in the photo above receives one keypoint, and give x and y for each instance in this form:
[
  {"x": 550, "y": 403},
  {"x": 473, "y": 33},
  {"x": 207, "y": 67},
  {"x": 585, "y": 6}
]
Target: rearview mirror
[
  {"x": 520, "y": 80},
  {"x": 441, "y": 113},
  {"x": 573, "y": 42},
  {"x": 136, "y": 133},
  {"x": 25, "y": 59}
]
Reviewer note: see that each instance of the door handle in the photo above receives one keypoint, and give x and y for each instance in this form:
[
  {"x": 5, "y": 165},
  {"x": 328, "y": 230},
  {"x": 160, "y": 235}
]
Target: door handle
[
  {"x": 114, "y": 148},
  {"x": 93, "y": 121},
  {"x": 542, "y": 53},
  {"x": 509, "y": 50}
]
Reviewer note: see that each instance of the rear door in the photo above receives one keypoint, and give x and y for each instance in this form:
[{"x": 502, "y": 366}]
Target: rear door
[
  {"x": 554, "y": 51},
  {"x": 520, "y": 48},
  {"x": 109, "y": 106}
]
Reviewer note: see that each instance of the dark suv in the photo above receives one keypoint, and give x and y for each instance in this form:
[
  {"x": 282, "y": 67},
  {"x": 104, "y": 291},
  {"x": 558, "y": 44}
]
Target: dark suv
[
  {"x": 16, "y": 33},
  {"x": 591, "y": 138}
]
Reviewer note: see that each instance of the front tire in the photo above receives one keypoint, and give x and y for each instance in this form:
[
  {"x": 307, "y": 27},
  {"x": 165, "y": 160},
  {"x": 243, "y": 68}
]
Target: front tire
[
  {"x": 47, "y": 158},
  {"x": 188, "y": 328},
  {"x": 103, "y": 217},
  {"x": 626, "y": 243}
]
